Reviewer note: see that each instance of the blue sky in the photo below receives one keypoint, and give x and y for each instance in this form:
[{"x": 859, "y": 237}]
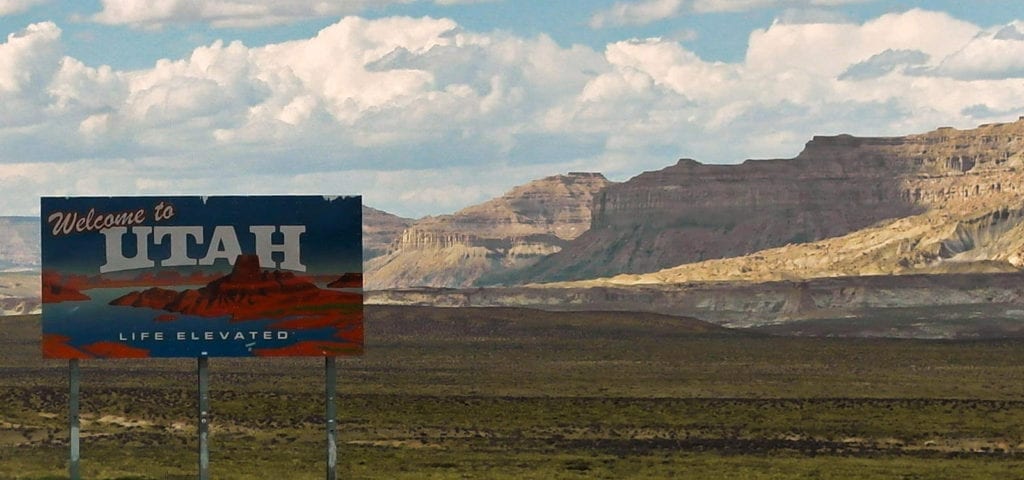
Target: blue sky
[
  {"x": 714, "y": 35},
  {"x": 425, "y": 107}
]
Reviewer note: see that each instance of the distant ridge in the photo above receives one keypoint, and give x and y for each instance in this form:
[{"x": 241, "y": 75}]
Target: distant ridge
[
  {"x": 844, "y": 206},
  {"x": 380, "y": 229},
  {"x": 490, "y": 240}
]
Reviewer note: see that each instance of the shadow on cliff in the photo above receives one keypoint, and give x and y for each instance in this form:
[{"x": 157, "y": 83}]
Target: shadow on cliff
[{"x": 690, "y": 212}]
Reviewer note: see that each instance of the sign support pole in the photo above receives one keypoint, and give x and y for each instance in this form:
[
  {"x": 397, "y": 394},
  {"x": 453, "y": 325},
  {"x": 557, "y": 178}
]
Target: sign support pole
[
  {"x": 74, "y": 423},
  {"x": 204, "y": 418},
  {"x": 331, "y": 380}
]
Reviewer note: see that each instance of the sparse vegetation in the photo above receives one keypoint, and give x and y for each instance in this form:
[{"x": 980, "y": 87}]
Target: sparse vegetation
[{"x": 505, "y": 393}]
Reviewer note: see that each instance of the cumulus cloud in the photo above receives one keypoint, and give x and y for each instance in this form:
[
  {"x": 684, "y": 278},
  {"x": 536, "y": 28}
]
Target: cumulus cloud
[
  {"x": 642, "y": 12},
  {"x": 226, "y": 13},
  {"x": 10, "y": 7},
  {"x": 829, "y": 49},
  {"x": 746, "y": 5},
  {"x": 636, "y": 13},
  {"x": 994, "y": 54},
  {"x": 154, "y": 14},
  {"x": 422, "y": 116},
  {"x": 29, "y": 58},
  {"x": 395, "y": 94},
  {"x": 811, "y": 15},
  {"x": 884, "y": 63},
  {"x": 874, "y": 78}
]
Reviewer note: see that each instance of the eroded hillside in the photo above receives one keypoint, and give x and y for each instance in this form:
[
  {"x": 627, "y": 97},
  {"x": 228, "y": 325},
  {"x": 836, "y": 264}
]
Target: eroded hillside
[
  {"x": 915, "y": 195},
  {"x": 490, "y": 239}
]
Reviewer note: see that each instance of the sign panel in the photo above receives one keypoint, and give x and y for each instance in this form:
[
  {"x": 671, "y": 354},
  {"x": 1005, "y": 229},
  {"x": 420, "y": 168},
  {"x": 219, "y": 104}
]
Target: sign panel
[{"x": 228, "y": 276}]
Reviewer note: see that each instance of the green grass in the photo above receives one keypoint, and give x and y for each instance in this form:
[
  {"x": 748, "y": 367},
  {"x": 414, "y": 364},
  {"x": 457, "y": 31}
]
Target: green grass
[{"x": 474, "y": 393}]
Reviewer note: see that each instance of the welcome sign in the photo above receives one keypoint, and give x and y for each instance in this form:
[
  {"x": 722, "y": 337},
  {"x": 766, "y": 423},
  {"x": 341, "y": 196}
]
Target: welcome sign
[{"x": 228, "y": 276}]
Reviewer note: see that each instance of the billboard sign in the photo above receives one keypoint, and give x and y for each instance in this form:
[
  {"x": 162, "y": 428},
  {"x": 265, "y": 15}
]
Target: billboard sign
[{"x": 190, "y": 276}]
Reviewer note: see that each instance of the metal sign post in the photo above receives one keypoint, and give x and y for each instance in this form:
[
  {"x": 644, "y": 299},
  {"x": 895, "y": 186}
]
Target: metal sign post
[
  {"x": 74, "y": 424},
  {"x": 331, "y": 380},
  {"x": 204, "y": 420}
]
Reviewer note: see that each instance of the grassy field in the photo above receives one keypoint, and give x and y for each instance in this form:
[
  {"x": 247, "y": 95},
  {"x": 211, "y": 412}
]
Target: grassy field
[{"x": 505, "y": 393}]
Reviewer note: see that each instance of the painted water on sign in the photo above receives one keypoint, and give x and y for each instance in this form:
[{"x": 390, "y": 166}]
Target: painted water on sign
[{"x": 152, "y": 332}]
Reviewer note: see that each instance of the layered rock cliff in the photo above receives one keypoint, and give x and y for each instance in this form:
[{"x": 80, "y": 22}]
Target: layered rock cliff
[
  {"x": 380, "y": 229},
  {"x": 692, "y": 212},
  {"x": 488, "y": 240}
]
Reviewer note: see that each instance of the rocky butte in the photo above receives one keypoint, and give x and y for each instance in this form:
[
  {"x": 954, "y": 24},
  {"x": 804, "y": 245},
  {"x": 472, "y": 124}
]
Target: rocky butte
[
  {"x": 379, "y": 230},
  {"x": 486, "y": 241},
  {"x": 964, "y": 181},
  {"x": 54, "y": 290}
]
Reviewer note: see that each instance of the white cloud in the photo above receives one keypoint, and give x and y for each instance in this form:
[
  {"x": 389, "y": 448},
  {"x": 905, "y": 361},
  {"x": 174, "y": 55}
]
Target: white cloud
[
  {"x": 636, "y": 13},
  {"x": 642, "y": 12},
  {"x": 998, "y": 53},
  {"x": 670, "y": 65},
  {"x": 884, "y": 63},
  {"x": 227, "y": 13},
  {"x": 27, "y": 56},
  {"x": 423, "y": 116},
  {"x": 10, "y": 7},
  {"x": 829, "y": 49},
  {"x": 882, "y": 77},
  {"x": 811, "y": 15},
  {"x": 28, "y": 59},
  {"x": 746, "y": 5},
  {"x": 154, "y": 14},
  {"x": 392, "y": 94}
]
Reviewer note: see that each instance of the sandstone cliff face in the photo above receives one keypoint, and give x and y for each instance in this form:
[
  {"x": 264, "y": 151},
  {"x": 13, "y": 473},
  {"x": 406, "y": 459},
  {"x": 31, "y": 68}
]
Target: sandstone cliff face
[
  {"x": 487, "y": 240},
  {"x": 934, "y": 242},
  {"x": 692, "y": 212},
  {"x": 379, "y": 230}
]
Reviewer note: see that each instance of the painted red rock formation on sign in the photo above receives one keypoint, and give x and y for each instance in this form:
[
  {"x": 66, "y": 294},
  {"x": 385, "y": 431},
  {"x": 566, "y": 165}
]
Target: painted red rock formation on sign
[
  {"x": 58, "y": 346},
  {"x": 348, "y": 280},
  {"x": 55, "y": 291},
  {"x": 250, "y": 292}
]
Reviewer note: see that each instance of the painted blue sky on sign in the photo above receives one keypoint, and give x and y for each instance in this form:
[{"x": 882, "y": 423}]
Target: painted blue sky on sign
[{"x": 424, "y": 106}]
